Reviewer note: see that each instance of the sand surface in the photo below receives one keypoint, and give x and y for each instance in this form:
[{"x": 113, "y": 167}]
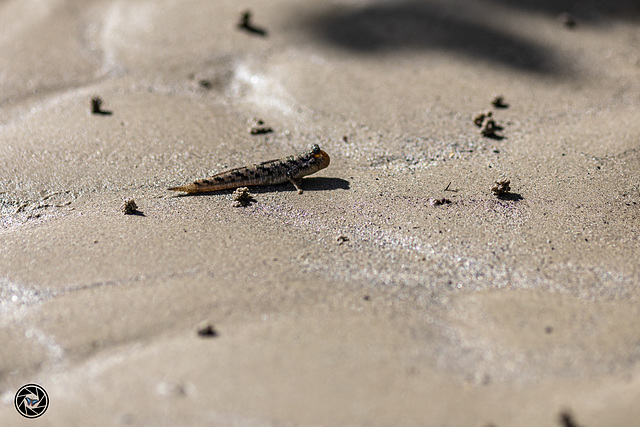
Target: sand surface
[{"x": 358, "y": 302}]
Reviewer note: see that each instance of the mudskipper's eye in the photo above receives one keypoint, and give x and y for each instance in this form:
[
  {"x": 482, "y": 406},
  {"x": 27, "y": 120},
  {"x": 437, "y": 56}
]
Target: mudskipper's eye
[{"x": 315, "y": 149}]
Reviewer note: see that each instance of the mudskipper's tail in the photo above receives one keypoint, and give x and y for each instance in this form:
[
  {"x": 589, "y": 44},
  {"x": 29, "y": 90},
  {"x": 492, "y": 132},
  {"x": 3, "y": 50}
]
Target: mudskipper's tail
[{"x": 188, "y": 188}]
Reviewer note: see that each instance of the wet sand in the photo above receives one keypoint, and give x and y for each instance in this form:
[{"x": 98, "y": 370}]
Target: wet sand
[{"x": 357, "y": 302}]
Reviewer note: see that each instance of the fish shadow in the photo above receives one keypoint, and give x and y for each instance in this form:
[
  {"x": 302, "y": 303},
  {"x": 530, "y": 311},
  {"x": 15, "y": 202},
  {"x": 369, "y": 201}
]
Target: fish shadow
[
  {"x": 308, "y": 185},
  {"x": 320, "y": 183}
]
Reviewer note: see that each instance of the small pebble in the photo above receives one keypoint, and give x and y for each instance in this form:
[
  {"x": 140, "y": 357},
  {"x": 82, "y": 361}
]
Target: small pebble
[
  {"x": 566, "y": 420},
  {"x": 206, "y": 329},
  {"x": 567, "y": 20},
  {"x": 502, "y": 187},
  {"x": 498, "y": 102},
  {"x": 242, "y": 197},
  {"x": 258, "y": 128},
  {"x": 130, "y": 208},
  {"x": 96, "y": 105},
  {"x": 245, "y": 19},
  {"x": 479, "y": 118},
  {"x": 438, "y": 202},
  {"x": 244, "y": 23},
  {"x": 342, "y": 239},
  {"x": 488, "y": 127}
]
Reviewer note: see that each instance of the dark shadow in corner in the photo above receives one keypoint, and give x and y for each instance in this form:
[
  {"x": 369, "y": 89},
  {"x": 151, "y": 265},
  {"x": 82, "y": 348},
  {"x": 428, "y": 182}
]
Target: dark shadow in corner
[
  {"x": 584, "y": 11},
  {"x": 308, "y": 184},
  {"x": 418, "y": 25},
  {"x": 514, "y": 197}
]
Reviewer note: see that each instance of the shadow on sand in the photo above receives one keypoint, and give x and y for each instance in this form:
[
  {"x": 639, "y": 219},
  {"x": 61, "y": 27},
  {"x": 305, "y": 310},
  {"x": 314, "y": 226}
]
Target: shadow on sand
[
  {"x": 450, "y": 26},
  {"x": 308, "y": 185}
]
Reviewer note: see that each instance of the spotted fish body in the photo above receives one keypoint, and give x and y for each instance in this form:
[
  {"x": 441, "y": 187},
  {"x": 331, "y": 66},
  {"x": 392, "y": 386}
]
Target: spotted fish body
[{"x": 272, "y": 172}]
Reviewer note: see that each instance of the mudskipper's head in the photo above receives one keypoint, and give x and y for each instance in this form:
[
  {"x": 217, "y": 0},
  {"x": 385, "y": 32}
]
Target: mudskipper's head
[{"x": 320, "y": 158}]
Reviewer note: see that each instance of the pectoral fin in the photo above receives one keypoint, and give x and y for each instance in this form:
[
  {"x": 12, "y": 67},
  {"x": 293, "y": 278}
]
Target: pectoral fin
[{"x": 296, "y": 183}]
